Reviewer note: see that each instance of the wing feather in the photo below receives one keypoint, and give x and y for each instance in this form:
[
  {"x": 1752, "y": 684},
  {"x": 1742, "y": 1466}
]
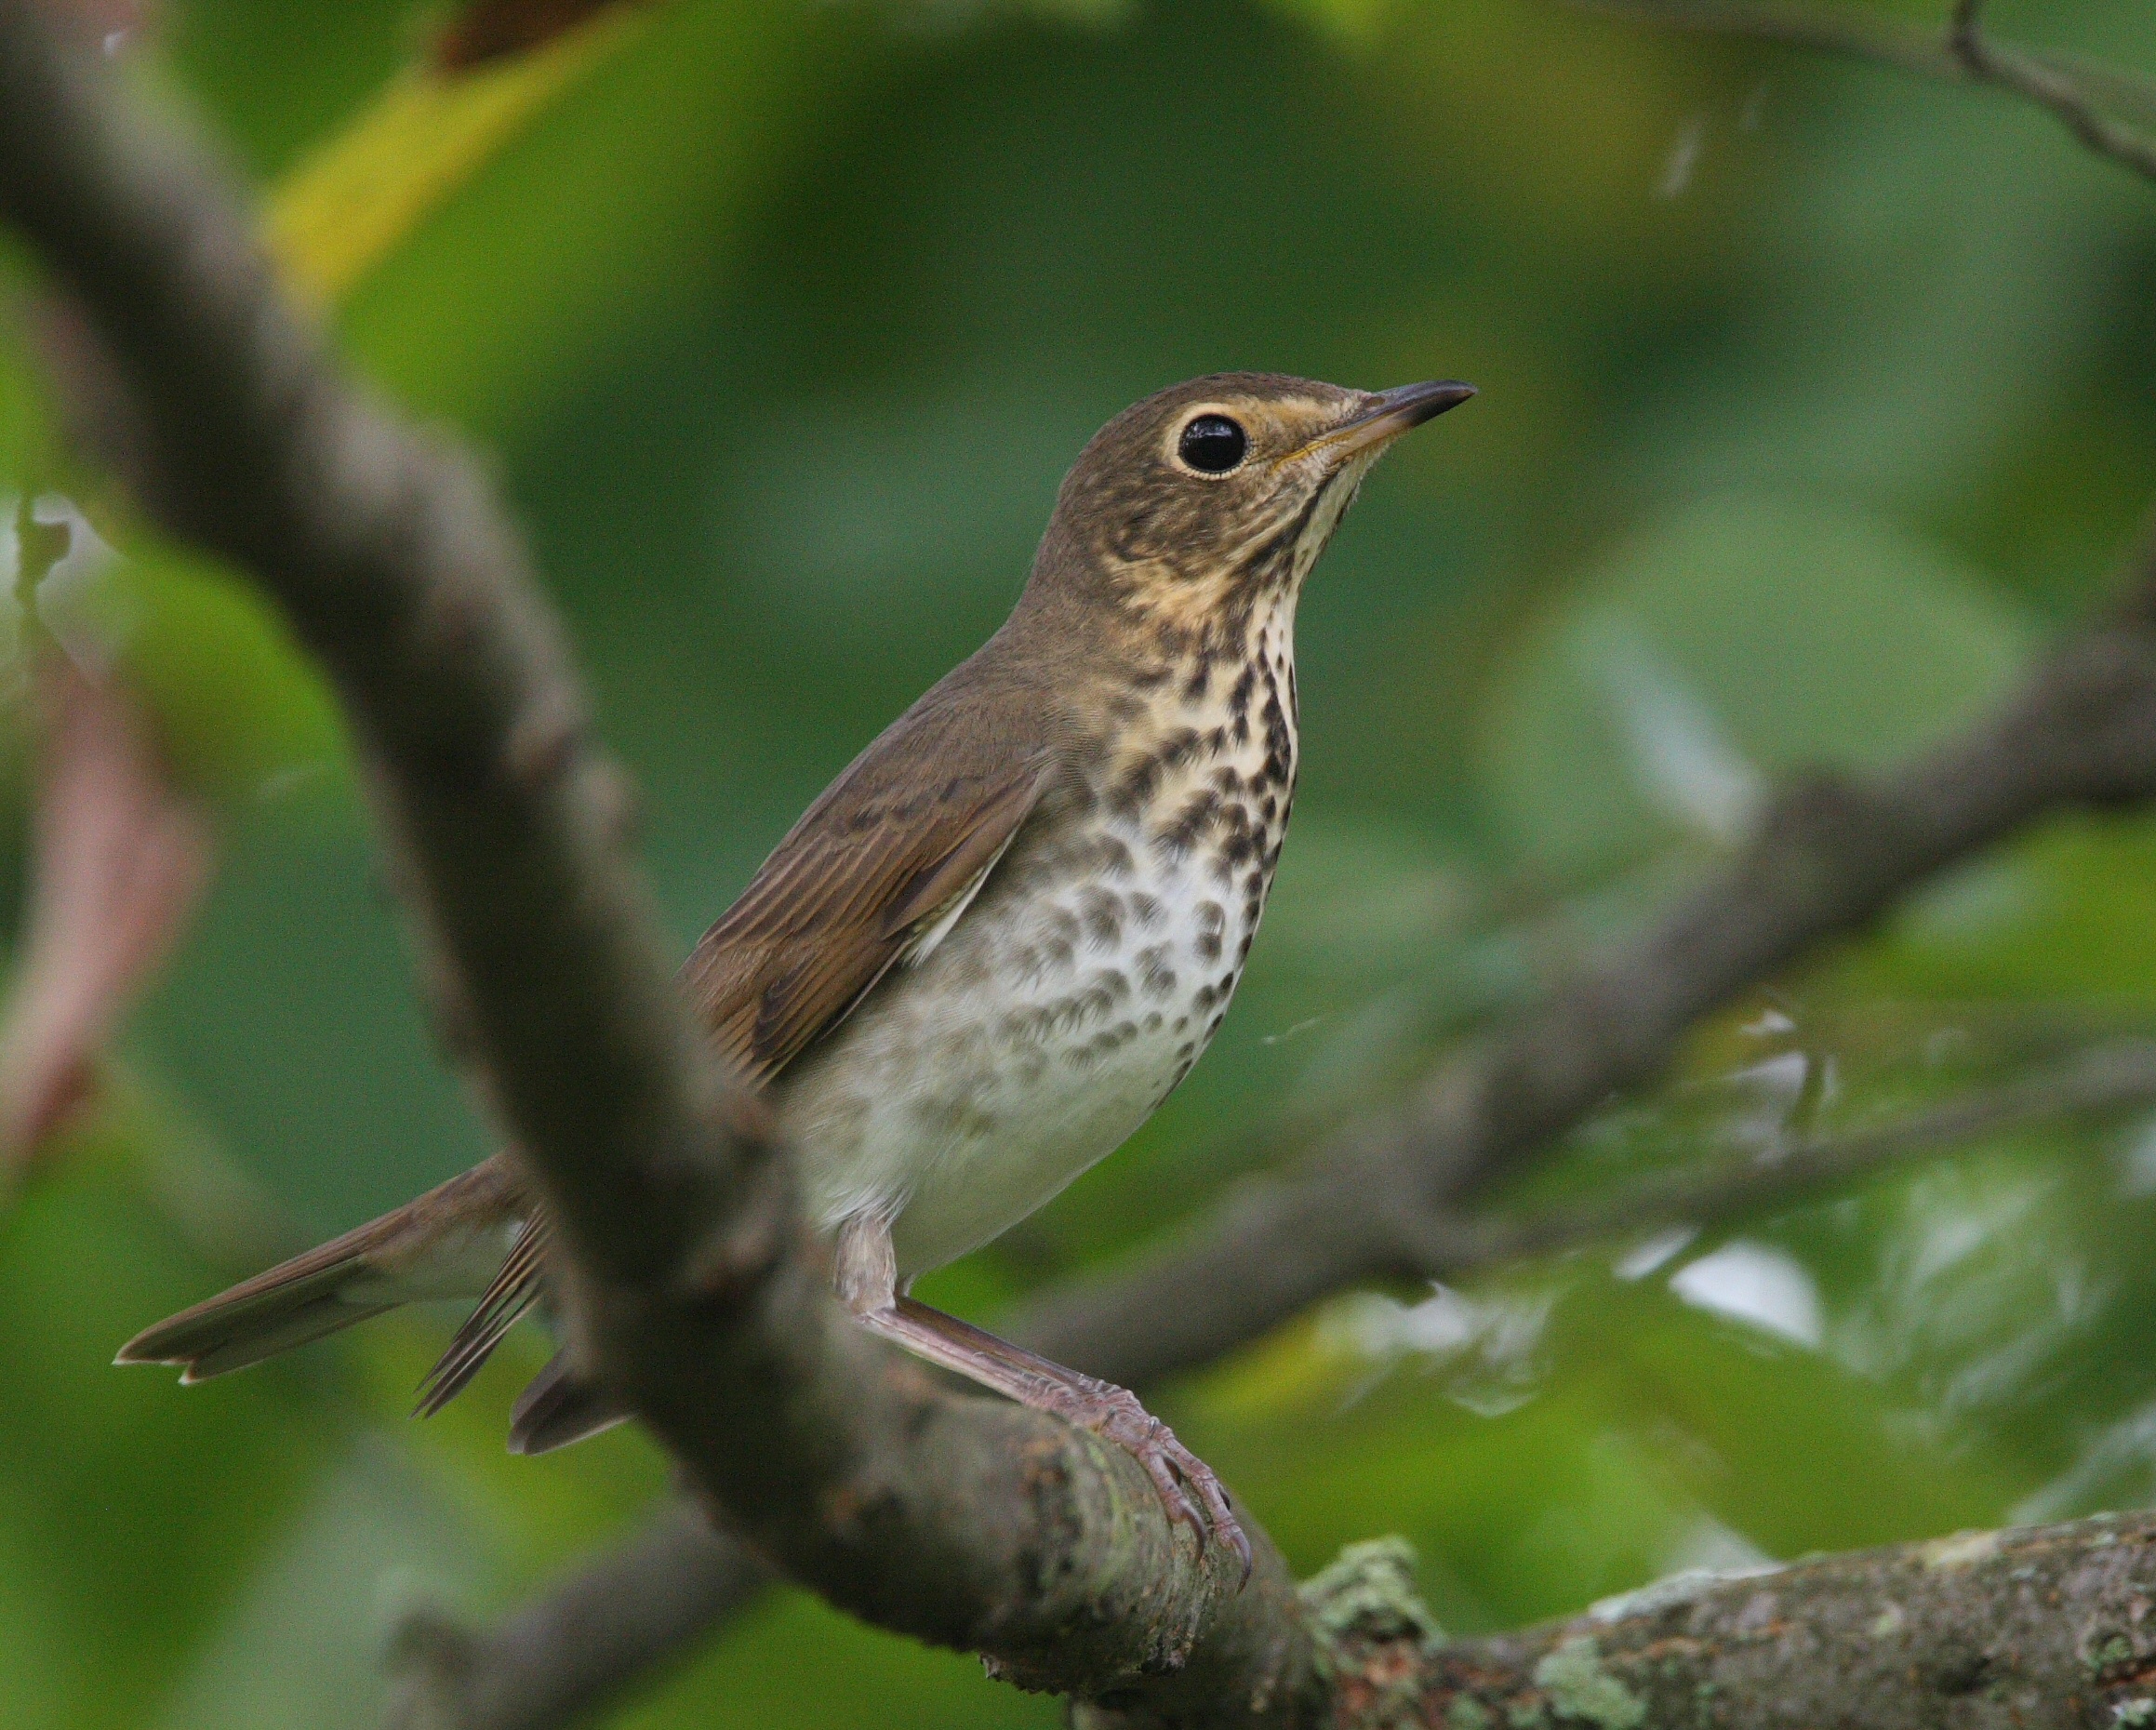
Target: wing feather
[{"x": 845, "y": 896}]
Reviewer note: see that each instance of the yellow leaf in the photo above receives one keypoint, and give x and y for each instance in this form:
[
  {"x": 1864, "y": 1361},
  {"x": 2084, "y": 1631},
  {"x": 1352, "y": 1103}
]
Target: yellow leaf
[{"x": 347, "y": 204}]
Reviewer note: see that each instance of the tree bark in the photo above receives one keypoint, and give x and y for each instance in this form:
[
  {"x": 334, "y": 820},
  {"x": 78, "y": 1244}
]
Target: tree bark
[{"x": 2044, "y": 1629}]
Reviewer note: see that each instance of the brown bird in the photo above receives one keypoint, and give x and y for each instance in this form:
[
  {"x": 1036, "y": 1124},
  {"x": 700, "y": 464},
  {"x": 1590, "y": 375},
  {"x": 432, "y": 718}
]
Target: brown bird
[{"x": 996, "y": 942}]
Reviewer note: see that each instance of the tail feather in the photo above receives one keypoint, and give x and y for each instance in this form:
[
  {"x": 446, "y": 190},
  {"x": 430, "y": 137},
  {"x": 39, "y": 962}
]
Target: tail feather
[
  {"x": 422, "y": 1250},
  {"x": 247, "y": 1331},
  {"x": 514, "y": 1290},
  {"x": 558, "y": 1409}
]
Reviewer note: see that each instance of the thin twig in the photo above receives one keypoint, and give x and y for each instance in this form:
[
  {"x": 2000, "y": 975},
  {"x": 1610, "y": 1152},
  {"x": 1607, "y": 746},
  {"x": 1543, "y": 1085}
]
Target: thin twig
[
  {"x": 2079, "y": 93},
  {"x": 2110, "y": 1078},
  {"x": 1991, "y": 63},
  {"x": 1856, "y": 34}
]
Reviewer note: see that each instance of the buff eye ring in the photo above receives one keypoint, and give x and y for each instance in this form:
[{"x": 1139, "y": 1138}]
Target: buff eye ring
[{"x": 1213, "y": 444}]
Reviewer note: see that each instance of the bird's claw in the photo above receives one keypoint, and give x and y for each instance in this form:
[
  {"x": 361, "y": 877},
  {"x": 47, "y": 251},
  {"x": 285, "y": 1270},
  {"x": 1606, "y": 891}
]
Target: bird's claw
[{"x": 1187, "y": 1488}]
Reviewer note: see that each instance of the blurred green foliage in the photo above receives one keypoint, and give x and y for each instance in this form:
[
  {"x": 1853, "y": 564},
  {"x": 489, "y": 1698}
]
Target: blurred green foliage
[{"x": 1813, "y": 398}]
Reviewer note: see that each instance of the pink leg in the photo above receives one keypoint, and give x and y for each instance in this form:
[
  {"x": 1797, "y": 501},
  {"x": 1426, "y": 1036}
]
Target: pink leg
[{"x": 867, "y": 1284}]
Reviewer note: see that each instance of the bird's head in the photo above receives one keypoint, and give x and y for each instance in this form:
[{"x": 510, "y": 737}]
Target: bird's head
[{"x": 1203, "y": 498}]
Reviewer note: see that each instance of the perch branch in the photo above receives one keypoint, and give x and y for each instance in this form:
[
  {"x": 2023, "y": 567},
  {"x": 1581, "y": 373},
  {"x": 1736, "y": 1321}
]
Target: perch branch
[{"x": 691, "y": 1292}]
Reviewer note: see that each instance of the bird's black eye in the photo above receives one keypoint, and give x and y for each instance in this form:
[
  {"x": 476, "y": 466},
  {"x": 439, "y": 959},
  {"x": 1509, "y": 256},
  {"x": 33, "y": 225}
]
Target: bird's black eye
[{"x": 1213, "y": 443}]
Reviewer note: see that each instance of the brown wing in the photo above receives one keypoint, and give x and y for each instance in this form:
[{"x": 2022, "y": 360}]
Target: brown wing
[{"x": 901, "y": 838}]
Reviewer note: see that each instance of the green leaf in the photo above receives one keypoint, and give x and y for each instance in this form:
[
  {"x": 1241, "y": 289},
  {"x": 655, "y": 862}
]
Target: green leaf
[{"x": 1709, "y": 656}]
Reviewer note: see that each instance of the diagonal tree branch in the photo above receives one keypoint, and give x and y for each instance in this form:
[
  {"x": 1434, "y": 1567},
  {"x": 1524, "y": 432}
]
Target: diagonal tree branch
[{"x": 690, "y": 1289}]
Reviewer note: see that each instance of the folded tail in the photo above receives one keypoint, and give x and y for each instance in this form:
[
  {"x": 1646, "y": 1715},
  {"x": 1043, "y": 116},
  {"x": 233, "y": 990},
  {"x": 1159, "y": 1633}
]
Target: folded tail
[{"x": 468, "y": 1238}]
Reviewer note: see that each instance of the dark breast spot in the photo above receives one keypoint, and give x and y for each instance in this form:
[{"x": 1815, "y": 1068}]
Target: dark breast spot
[
  {"x": 1179, "y": 836},
  {"x": 1102, "y": 912}
]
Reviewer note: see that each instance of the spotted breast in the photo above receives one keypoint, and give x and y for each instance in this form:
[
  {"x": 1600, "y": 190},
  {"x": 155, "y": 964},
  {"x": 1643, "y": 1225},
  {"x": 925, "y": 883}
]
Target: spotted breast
[{"x": 1090, "y": 973}]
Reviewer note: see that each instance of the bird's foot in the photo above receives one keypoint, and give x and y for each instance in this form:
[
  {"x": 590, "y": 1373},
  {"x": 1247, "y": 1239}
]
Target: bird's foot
[{"x": 1188, "y": 1489}]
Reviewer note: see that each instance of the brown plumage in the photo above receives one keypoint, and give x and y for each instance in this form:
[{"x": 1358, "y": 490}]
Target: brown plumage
[{"x": 994, "y": 944}]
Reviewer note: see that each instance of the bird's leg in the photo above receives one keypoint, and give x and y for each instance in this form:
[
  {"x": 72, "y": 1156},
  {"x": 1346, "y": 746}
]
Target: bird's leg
[{"x": 866, "y": 1278}]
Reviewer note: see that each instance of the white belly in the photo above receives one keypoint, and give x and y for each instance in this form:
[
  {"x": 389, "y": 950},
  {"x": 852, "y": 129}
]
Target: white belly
[{"x": 1030, "y": 1044}]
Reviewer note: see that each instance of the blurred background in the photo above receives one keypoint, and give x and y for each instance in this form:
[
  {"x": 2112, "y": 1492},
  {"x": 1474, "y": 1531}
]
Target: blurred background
[{"x": 1814, "y": 398}]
